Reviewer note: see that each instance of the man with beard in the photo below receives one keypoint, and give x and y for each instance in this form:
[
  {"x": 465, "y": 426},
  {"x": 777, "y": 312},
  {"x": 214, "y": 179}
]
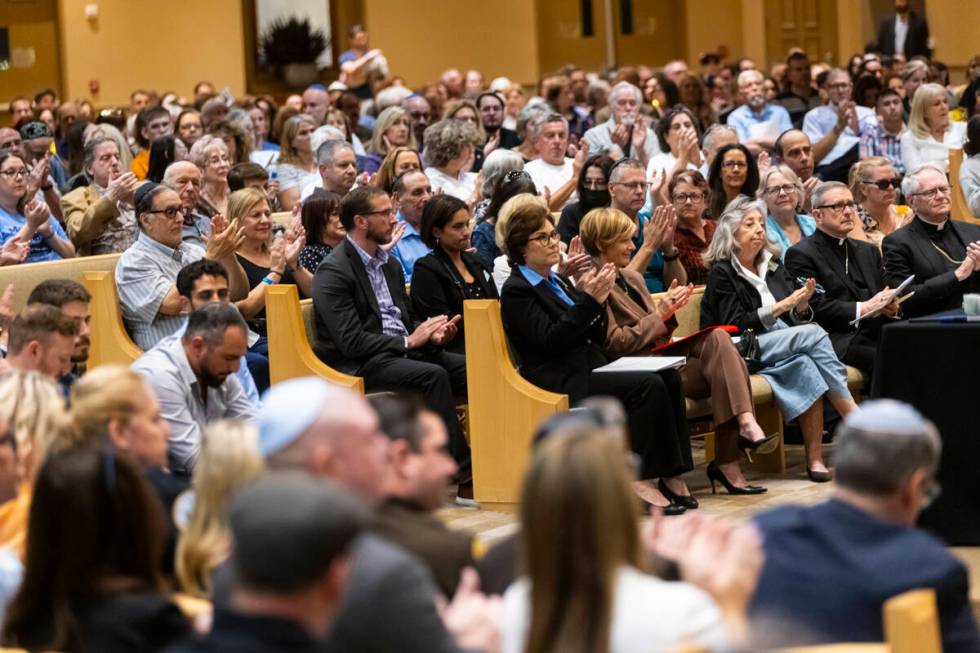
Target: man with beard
[
  {"x": 99, "y": 217},
  {"x": 757, "y": 122},
  {"x": 71, "y": 298},
  {"x": 185, "y": 178},
  {"x": 491, "y": 108},
  {"x": 365, "y": 325},
  {"x": 194, "y": 377}
]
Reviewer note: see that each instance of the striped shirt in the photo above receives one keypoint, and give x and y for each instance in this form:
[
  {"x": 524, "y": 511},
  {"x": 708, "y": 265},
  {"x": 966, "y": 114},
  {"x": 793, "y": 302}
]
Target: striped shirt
[
  {"x": 145, "y": 273},
  {"x": 391, "y": 315},
  {"x": 878, "y": 141}
]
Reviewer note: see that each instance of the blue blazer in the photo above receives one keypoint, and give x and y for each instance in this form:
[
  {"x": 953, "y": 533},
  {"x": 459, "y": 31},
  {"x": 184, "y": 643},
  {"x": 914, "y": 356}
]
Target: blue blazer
[{"x": 829, "y": 569}]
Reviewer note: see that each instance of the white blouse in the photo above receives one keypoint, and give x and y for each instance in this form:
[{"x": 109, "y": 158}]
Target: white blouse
[{"x": 919, "y": 151}]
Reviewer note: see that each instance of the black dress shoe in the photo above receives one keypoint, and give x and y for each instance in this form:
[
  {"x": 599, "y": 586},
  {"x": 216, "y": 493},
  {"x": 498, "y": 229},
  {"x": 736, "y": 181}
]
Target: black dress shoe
[
  {"x": 819, "y": 477},
  {"x": 766, "y": 445},
  {"x": 715, "y": 474},
  {"x": 687, "y": 501}
]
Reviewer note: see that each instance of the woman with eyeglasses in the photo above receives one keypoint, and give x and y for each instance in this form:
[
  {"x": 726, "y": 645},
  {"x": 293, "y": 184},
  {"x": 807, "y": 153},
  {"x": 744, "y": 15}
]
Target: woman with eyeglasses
[
  {"x": 688, "y": 192},
  {"x": 28, "y": 231},
  {"x": 210, "y": 154},
  {"x": 783, "y": 193},
  {"x": 593, "y": 193},
  {"x": 874, "y": 184},
  {"x": 733, "y": 172},
  {"x": 558, "y": 332},
  {"x": 749, "y": 288}
]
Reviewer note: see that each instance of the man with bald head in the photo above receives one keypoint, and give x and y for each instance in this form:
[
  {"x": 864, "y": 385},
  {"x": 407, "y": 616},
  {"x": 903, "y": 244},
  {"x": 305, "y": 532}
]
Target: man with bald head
[
  {"x": 757, "y": 122},
  {"x": 310, "y": 426},
  {"x": 793, "y": 148},
  {"x": 185, "y": 178},
  {"x": 316, "y": 102}
]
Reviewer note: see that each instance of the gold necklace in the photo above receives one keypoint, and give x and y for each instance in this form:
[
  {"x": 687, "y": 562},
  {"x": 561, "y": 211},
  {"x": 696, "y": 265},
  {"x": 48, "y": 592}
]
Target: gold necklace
[{"x": 945, "y": 255}]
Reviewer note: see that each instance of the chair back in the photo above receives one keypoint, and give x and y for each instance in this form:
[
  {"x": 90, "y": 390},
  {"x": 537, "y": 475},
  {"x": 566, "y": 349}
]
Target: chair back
[
  {"x": 912, "y": 622},
  {"x": 110, "y": 343},
  {"x": 282, "y": 218},
  {"x": 28, "y": 275},
  {"x": 689, "y": 317},
  {"x": 291, "y": 327},
  {"x": 959, "y": 209},
  {"x": 504, "y": 408}
]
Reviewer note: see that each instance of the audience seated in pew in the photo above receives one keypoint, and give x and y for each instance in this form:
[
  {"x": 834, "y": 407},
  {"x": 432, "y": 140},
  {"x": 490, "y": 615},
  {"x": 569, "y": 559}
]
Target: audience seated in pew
[
  {"x": 193, "y": 375},
  {"x": 749, "y": 289},
  {"x": 785, "y": 196},
  {"x": 451, "y": 273},
  {"x": 365, "y": 325},
  {"x": 714, "y": 367},
  {"x": 71, "y": 298},
  {"x": 874, "y": 184},
  {"x": 558, "y": 331},
  {"x": 26, "y": 219},
  {"x": 849, "y": 273}
]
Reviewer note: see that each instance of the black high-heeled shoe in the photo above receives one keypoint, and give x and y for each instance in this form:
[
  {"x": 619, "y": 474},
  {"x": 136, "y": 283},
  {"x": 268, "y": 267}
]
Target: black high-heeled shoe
[
  {"x": 687, "y": 501},
  {"x": 715, "y": 474},
  {"x": 766, "y": 445},
  {"x": 670, "y": 510},
  {"x": 819, "y": 477}
]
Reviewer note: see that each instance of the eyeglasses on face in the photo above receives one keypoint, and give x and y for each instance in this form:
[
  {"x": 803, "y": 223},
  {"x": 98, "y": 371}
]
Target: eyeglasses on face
[
  {"x": 931, "y": 193},
  {"x": 774, "y": 191},
  {"x": 683, "y": 198},
  {"x": 171, "y": 212},
  {"x": 883, "y": 184},
  {"x": 734, "y": 164},
  {"x": 15, "y": 173},
  {"x": 387, "y": 213},
  {"x": 545, "y": 239},
  {"x": 634, "y": 185},
  {"x": 839, "y": 207},
  {"x": 594, "y": 184}
]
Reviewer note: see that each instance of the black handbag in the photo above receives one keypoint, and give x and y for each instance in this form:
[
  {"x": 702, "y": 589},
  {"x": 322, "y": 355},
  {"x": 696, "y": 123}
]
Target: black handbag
[{"x": 748, "y": 347}]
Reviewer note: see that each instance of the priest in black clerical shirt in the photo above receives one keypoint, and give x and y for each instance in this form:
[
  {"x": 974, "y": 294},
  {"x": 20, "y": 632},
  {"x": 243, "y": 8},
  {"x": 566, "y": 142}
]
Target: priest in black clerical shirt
[
  {"x": 943, "y": 254},
  {"x": 848, "y": 271}
]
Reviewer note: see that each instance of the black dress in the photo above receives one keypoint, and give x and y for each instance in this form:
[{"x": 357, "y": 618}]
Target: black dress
[
  {"x": 559, "y": 345},
  {"x": 255, "y": 274},
  {"x": 439, "y": 289}
]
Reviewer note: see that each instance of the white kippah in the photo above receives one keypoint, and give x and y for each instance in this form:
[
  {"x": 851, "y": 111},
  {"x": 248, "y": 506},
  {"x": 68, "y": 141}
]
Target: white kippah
[{"x": 887, "y": 415}]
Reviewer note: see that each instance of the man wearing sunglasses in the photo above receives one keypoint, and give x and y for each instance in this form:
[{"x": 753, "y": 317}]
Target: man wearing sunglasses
[
  {"x": 943, "y": 254},
  {"x": 849, "y": 272}
]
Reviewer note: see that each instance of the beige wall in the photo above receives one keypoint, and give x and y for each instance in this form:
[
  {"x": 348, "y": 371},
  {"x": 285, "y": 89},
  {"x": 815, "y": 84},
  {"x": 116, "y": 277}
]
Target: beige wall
[
  {"x": 164, "y": 45},
  {"x": 953, "y": 26},
  {"x": 559, "y": 36},
  {"x": 424, "y": 37},
  {"x": 31, "y": 26},
  {"x": 703, "y": 28}
]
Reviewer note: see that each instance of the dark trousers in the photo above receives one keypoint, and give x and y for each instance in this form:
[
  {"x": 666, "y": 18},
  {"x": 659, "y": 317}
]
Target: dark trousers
[
  {"x": 654, "y": 404},
  {"x": 257, "y": 358},
  {"x": 860, "y": 353},
  {"x": 438, "y": 378}
]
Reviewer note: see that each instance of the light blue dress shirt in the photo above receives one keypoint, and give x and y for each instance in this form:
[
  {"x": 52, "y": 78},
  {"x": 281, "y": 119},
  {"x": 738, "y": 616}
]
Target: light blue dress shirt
[
  {"x": 409, "y": 248},
  {"x": 244, "y": 376},
  {"x": 743, "y": 118},
  {"x": 552, "y": 282}
]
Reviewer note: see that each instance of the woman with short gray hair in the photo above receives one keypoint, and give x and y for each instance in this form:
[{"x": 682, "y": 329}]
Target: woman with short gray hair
[
  {"x": 495, "y": 167},
  {"x": 449, "y": 151},
  {"x": 747, "y": 287},
  {"x": 783, "y": 193}
]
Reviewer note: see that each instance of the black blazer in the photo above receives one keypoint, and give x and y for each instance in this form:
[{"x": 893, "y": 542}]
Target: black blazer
[
  {"x": 854, "y": 562},
  {"x": 437, "y": 288},
  {"x": 916, "y": 41},
  {"x": 348, "y": 320},
  {"x": 558, "y": 345},
  {"x": 909, "y": 250},
  {"x": 835, "y": 309},
  {"x": 730, "y": 299}
]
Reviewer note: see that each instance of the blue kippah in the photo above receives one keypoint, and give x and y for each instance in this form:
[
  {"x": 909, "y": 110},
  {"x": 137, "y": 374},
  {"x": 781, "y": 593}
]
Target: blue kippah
[
  {"x": 316, "y": 87},
  {"x": 288, "y": 409},
  {"x": 887, "y": 415}
]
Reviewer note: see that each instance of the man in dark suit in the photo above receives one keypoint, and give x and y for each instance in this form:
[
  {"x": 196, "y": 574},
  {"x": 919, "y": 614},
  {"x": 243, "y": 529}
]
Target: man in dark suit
[
  {"x": 365, "y": 325},
  {"x": 943, "y": 254},
  {"x": 904, "y": 33},
  {"x": 830, "y": 567},
  {"x": 849, "y": 271}
]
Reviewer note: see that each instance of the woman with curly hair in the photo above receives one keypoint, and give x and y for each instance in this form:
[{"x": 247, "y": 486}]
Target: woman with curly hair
[{"x": 449, "y": 150}]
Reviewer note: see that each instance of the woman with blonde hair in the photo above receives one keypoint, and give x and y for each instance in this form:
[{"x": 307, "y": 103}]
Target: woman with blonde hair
[
  {"x": 392, "y": 129},
  {"x": 874, "y": 185},
  {"x": 297, "y": 161},
  {"x": 229, "y": 460},
  {"x": 210, "y": 154},
  {"x": 714, "y": 368},
  {"x": 398, "y": 161},
  {"x": 32, "y": 407},
  {"x": 931, "y": 133},
  {"x": 266, "y": 259},
  {"x": 591, "y": 594}
]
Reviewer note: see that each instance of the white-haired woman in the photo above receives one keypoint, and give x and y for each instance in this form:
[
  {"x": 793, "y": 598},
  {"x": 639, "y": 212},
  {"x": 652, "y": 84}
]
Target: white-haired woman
[
  {"x": 495, "y": 167},
  {"x": 748, "y": 287},
  {"x": 210, "y": 154},
  {"x": 783, "y": 194},
  {"x": 449, "y": 151},
  {"x": 931, "y": 133}
]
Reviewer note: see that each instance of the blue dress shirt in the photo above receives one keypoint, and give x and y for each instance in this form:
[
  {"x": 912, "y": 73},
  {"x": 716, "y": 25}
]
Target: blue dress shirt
[
  {"x": 409, "y": 248},
  {"x": 554, "y": 285}
]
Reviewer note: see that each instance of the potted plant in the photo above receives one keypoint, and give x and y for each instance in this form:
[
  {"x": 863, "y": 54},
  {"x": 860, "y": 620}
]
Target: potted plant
[{"x": 293, "y": 46}]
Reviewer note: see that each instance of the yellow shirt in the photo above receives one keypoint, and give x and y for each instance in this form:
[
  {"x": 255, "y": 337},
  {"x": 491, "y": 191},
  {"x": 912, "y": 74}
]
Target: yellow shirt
[
  {"x": 13, "y": 520},
  {"x": 141, "y": 165}
]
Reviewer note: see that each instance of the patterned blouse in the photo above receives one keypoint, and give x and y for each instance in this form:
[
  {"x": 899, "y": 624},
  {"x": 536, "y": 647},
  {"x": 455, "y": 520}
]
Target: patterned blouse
[{"x": 691, "y": 247}]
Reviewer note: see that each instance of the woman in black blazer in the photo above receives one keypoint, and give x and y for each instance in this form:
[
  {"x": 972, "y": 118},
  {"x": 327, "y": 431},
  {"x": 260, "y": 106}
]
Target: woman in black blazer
[
  {"x": 449, "y": 274},
  {"x": 747, "y": 287},
  {"x": 558, "y": 331}
]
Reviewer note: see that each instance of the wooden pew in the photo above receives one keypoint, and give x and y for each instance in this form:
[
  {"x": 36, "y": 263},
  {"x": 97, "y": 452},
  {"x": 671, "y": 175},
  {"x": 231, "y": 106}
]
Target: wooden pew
[
  {"x": 959, "y": 210},
  {"x": 28, "y": 275},
  {"x": 504, "y": 408},
  {"x": 912, "y": 622},
  {"x": 291, "y": 328},
  {"x": 110, "y": 343}
]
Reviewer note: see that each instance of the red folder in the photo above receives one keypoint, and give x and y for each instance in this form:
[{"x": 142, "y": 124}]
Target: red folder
[{"x": 687, "y": 341}]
